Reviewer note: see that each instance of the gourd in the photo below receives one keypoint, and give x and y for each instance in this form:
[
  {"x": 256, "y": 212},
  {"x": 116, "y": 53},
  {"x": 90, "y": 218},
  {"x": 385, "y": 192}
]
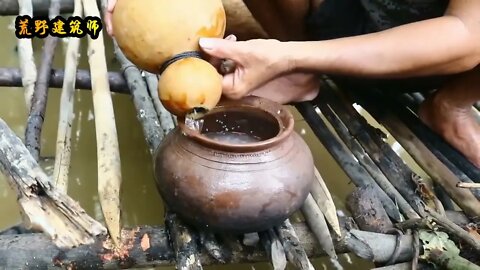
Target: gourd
[{"x": 161, "y": 37}]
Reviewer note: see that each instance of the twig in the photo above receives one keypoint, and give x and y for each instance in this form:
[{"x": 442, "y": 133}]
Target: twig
[
  {"x": 166, "y": 120},
  {"x": 294, "y": 251},
  {"x": 27, "y": 61},
  {"x": 454, "y": 229},
  {"x": 40, "y": 94},
  {"x": 108, "y": 156},
  {"x": 63, "y": 150},
  {"x": 468, "y": 185},
  {"x": 44, "y": 208},
  {"x": 316, "y": 221}
]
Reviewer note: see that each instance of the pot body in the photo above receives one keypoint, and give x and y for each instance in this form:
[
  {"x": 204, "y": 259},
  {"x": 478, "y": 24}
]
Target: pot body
[{"x": 225, "y": 190}]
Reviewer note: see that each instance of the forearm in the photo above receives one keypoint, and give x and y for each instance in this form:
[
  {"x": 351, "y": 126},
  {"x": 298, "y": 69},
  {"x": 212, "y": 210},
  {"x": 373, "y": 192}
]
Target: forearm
[{"x": 433, "y": 47}]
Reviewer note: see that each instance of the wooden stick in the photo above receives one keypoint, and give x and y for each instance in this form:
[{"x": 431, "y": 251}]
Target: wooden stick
[
  {"x": 316, "y": 221},
  {"x": 323, "y": 198},
  {"x": 394, "y": 168},
  {"x": 468, "y": 185},
  {"x": 44, "y": 208},
  {"x": 144, "y": 247},
  {"x": 63, "y": 150},
  {"x": 430, "y": 163},
  {"x": 274, "y": 249},
  {"x": 166, "y": 120},
  {"x": 346, "y": 160},
  {"x": 13, "y": 77},
  {"x": 26, "y": 59},
  {"x": 146, "y": 113},
  {"x": 108, "y": 155},
  {"x": 437, "y": 145},
  {"x": 367, "y": 162},
  {"x": 184, "y": 244},
  {"x": 439, "y": 172},
  {"x": 40, "y": 94},
  {"x": 294, "y": 251}
]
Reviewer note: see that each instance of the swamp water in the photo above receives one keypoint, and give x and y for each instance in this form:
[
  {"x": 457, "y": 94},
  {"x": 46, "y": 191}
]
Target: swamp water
[{"x": 141, "y": 203}]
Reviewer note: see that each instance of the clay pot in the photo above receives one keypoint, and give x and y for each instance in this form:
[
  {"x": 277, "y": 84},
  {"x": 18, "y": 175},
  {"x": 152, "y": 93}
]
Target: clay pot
[{"x": 238, "y": 187}]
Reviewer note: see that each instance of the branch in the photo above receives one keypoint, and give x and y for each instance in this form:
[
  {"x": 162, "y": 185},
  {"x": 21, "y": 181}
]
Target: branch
[
  {"x": 39, "y": 100},
  {"x": 13, "y": 77},
  {"x": 43, "y": 207}
]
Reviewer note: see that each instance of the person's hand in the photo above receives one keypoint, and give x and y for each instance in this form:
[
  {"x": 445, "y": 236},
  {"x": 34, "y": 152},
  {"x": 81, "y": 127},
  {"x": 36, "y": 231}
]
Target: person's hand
[
  {"x": 290, "y": 88},
  {"x": 257, "y": 62},
  {"x": 108, "y": 16}
]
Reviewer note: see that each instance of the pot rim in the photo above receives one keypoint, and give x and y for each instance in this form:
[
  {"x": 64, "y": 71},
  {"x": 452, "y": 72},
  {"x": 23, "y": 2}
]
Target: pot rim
[{"x": 284, "y": 120}]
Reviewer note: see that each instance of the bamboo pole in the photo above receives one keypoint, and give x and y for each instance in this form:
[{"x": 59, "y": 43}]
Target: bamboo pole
[
  {"x": 366, "y": 161},
  {"x": 436, "y": 169},
  {"x": 108, "y": 156},
  {"x": 63, "y": 146},
  {"x": 166, "y": 120},
  {"x": 25, "y": 53},
  {"x": 323, "y": 198},
  {"x": 40, "y": 94},
  {"x": 394, "y": 168},
  {"x": 456, "y": 161},
  {"x": 316, "y": 221},
  {"x": 13, "y": 77},
  {"x": 345, "y": 159},
  {"x": 43, "y": 207}
]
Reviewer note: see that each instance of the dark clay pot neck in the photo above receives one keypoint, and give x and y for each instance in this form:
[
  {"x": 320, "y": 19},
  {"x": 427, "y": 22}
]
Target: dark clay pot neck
[{"x": 270, "y": 122}]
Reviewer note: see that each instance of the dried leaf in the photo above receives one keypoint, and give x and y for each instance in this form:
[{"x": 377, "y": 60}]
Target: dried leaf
[{"x": 437, "y": 241}]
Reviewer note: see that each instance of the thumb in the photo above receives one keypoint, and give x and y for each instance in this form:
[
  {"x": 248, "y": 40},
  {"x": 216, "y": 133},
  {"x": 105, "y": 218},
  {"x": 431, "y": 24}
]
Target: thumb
[{"x": 220, "y": 48}]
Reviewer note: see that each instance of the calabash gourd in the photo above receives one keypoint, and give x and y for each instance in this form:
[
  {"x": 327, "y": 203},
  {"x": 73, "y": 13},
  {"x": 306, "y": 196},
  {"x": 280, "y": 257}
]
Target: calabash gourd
[{"x": 152, "y": 32}]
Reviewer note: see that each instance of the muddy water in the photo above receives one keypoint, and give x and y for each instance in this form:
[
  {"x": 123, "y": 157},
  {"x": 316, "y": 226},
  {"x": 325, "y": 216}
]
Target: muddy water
[{"x": 141, "y": 204}]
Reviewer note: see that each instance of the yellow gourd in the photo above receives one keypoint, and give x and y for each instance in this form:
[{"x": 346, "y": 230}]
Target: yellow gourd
[{"x": 152, "y": 32}]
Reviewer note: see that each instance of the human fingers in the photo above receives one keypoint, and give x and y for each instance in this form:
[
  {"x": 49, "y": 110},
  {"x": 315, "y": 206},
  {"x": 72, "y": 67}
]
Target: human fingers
[
  {"x": 217, "y": 62},
  {"x": 221, "y": 48},
  {"x": 108, "y": 16}
]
